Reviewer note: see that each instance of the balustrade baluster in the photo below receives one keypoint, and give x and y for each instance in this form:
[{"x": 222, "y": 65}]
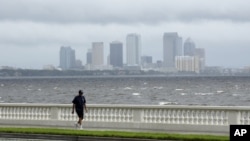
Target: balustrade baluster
[
  {"x": 201, "y": 117},
  {"x": 100, "y": 114},
  {"x": 212, "y": 118},
  {"x": 220, "y": 119},
  {"x": 11, "y": 113},
  {"x": 155, "y": 114},
  {"x": 215, "y": 118},
  {"x": 189, "y": 117},
  {"x": 171, "y": 112},
  {"x": 116, "y": 114},
  {"x": 164, "y": 116},
  {"x": 144, "y": 115},
  {"x": 151, "y": 116},
  {"x": 225, "y": 118},
  {"x": 104, "y": 114},
  {"x": 179, "y": 116},
  {"x": 183, "y": 114},
  {"x": 247, "y": 118},
  {"x": 160, "y": 115},
  {"x": 95, "y": 114},
  {"x": 168, "y": 112},
  {"x": 174, "y": 117}
]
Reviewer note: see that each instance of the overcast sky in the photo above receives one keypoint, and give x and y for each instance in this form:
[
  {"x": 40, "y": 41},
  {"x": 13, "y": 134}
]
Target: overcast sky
[{"x": 32, "y": 31}]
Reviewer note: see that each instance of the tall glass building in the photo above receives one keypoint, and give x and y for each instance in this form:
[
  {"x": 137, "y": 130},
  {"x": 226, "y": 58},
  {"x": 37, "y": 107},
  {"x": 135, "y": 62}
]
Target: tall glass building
[
  {"x": 133, "y": 46},
  {"x": 172, "y": 47},
  {"x": 89, "y": 57},
  {"x": 116, "y": 54},
  {"x": 189, "y": 48},
  {"x": 67, "y": 58},
  {"x": 97, "y": 54}
]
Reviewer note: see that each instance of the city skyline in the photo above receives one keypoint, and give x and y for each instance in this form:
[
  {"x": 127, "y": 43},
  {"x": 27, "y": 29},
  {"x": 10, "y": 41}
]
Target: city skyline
[
  {"x": 31, "y": 32},
  {"x": 177, "y": 56}
]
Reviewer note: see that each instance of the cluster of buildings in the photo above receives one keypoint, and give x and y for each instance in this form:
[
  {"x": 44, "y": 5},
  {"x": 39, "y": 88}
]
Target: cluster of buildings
[{"x": 177, "y": 56}]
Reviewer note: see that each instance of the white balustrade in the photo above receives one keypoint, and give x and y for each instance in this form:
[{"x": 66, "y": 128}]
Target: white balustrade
[{"x": 188, "y": 118}]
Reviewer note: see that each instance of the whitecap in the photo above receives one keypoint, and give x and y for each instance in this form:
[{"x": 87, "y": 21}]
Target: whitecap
[
  {"x": 178, "y": 89},
  {"x": 167, "y": 103},
  {"x": 183, "y": 93},
  {"x": 158, "y": 87},
  {"x": 145, "y": 83},
  {"x": 127, "y": 88},
  {"x": 2, "y": 85},
  {"x": 136, "y": 94},
  {"x": 55, "y": 88},
  {"x": 220, "y": 91},
  {"x": 203, "y": 93},
  {"x": 29, "y": 89},
  {"x": 39, "y": 89},
  {"x": 112, "y": 89}
]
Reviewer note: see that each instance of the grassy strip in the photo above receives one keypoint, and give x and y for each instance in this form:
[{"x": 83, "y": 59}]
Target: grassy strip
[{"x": 122, "y": 134}]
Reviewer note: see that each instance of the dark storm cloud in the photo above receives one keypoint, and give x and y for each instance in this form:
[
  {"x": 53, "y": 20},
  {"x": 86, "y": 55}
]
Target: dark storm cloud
[{"x": 123, "y": 12}]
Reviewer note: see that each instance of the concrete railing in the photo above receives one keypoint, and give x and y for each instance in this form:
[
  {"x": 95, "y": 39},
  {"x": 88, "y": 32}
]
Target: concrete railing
[{"x": 132, "y": 117}]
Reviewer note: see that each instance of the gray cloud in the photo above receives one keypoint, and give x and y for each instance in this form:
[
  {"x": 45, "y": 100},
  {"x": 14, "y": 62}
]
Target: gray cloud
[
  {"x": 40, "y": 27},
  {"x": 123, "y": 12}
]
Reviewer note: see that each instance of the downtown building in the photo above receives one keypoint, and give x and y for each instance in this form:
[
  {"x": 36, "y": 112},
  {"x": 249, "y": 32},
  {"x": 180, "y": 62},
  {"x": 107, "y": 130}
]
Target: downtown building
[
  {"x": 190, "y": 64},
  {"x": 67, "y": 58},
  {"x": 200, "y": 52},
  {"x": 172, "y": 47},
  {"x": 97, "y": 57},
  {"x": 133, "y": 46},
  {"x": 189, "y": 47},
  {"x": 116, "y": 54},
  {"x": 147, "y": 61},
  {"x": 89, "y": 57}
]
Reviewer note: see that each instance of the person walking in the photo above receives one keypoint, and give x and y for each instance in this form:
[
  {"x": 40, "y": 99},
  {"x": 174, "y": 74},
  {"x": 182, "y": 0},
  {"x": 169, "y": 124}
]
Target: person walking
[{"x": 79, "y": 105}]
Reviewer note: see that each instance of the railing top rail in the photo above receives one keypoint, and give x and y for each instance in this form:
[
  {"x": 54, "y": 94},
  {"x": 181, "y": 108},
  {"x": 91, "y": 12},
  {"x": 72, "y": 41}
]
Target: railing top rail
[{"x": 187, "y": 107}]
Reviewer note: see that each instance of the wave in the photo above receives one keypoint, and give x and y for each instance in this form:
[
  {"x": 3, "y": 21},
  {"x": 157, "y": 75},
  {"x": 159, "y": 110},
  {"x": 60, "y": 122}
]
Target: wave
[
  {"x": 158, "y": 88},
  {"x": 167, "y": 103},
  {"x": 220, "y": 91},
  {"x": 136, "y": 94},
  {"x": 183, "y": 93},
  {"x": 178, "y": 89},
  {"x": 127, "y": 88},
  {"x": 203, "y": 93}
]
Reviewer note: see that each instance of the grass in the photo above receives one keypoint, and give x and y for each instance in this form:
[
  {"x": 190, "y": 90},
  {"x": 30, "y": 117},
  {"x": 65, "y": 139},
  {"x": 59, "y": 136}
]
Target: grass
[{"x": 122, "y": 134}]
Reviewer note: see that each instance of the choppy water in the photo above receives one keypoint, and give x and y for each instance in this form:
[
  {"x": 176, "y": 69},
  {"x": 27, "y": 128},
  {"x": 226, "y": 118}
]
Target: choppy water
[{"x": 157, "y": 90}]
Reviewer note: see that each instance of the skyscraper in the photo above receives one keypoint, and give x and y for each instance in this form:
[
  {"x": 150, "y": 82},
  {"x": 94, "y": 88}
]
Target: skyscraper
[
  {"x": 67, "y": 58},
  {"x": 133, "y": 44},
  {"x": 189, "y": 47},
  {"x": 97, "y": 54},
  {"x": 116, "y": 54},
  {"x": 200, "y": 52},
  {"x": 172, "y": 46},
  {"x": 89, "y": 57}
]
